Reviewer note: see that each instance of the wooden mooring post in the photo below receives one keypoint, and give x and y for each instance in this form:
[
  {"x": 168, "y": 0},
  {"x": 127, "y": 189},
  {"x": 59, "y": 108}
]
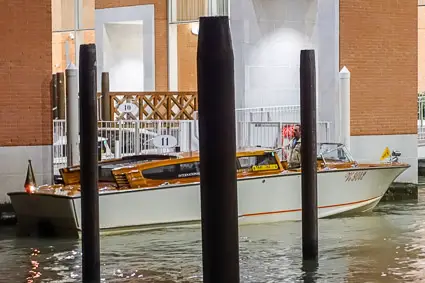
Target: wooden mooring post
[
  {"x": 89, "y": 162},
  {"x": 308, "y": 155},
  {"x": 54, "y": 95},
  {"x": 60, "y": 77},
  {"x": 217, "y": 140},
  {"x": 106, "y": 99}
]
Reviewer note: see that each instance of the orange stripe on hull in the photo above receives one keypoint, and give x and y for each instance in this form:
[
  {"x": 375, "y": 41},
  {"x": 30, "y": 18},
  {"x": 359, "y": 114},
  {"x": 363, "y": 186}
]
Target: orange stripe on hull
[{"x": 299, "y": 209}]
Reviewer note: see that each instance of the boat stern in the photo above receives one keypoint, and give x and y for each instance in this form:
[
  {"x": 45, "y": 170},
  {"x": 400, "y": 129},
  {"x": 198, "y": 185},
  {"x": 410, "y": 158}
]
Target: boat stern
[{"x": 44, "y": 214}]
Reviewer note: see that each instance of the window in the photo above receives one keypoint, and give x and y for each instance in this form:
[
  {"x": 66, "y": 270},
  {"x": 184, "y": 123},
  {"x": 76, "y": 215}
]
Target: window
[
  {"x": 86, "y": 14},
  {"x": 247, "y": 162},
  {"x": 63, "y": 50},
  {"x": 189, "y": 170},
  {"x": 72, "y": 25},
  {"x": 63, "y": 15},
  {"x": 161, "y": 173},
  {"x": 184, "y": 170}
]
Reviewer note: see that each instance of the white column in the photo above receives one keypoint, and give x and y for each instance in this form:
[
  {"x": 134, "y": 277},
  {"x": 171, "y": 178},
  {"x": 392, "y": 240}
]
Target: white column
[
  {"x": 72, "y": 115},
  {"x": 344, "y": 98}
]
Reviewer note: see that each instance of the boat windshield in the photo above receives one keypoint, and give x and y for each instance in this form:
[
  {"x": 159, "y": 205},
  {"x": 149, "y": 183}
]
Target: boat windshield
[{"x": 333, "y": 152}]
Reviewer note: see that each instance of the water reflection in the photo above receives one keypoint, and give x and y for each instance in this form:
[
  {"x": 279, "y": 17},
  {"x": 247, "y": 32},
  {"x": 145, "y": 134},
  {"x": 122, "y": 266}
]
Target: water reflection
[
  {"x": 387, "y": 245},
  {"x": 309, "y": 269}
]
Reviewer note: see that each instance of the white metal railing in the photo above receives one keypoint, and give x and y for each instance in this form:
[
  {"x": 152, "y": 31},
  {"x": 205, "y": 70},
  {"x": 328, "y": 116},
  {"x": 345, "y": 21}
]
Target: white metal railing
[
  {"x": 261, "y": 126},
  {"x": 124, "y": 138},
  {"x": 421, "y": 119},
  {"x": 269, "y": 114}
]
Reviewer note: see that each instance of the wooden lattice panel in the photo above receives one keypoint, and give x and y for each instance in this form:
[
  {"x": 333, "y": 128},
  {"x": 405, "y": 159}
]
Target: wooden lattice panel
[
  {"x": 153, "y": 105},
  {"x": 125, "y": 99}
]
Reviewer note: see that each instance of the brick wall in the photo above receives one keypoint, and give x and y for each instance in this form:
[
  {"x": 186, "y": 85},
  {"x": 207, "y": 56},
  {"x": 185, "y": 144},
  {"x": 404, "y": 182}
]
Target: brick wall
[
  {"x": 25, "y": 73},
  {"x": 161, "y": 35},
  {"x": 378, "y": 44},
  {"x": 421, "y": 49}
]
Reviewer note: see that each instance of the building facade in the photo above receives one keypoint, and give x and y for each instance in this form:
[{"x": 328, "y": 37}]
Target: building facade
[{"x": 150, "y": 45}]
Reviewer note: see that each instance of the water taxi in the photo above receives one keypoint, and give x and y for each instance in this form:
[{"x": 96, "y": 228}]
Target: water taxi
[{"x": 151, "y": 191}]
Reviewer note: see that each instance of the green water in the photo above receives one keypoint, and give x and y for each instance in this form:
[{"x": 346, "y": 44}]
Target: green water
[{"x": 386, "y": 245}]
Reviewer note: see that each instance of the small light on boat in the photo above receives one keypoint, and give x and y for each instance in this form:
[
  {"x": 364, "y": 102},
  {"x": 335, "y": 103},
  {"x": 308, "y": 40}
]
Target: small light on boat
[
  {"x": 30, "y": 183},
  {"x": 30, "y": 189}
]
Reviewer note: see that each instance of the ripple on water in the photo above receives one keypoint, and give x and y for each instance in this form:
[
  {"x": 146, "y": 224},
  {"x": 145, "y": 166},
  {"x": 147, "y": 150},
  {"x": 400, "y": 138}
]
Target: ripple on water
[{"x": 387, "y": 245}]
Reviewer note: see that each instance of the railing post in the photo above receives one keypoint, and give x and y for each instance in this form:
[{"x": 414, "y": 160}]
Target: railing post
[
  {"x": 117, "y": 149},
  {"x": 344, "y": 93},
  {"x": 190, "y": 134},
  {"x": 72, "y": 116},
  {"x": 120, "y": 142},
  {"x": 106, "y": 101},
  {"x": 421, "y": 110},
  {"x": 137, "y": 138}
]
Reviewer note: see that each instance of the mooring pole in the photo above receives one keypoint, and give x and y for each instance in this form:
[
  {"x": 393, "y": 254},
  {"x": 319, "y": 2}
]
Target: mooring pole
[
  {"x": 217, "y": 140},
  {"x": 88, "y": 160},
  {"x": 61, "y": 95},
  {"x": 72, "y": 116},
  {"x": 308, "y": 155}
]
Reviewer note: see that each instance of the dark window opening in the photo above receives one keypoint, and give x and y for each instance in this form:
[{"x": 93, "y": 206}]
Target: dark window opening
[{"x": 184, "y": 170}]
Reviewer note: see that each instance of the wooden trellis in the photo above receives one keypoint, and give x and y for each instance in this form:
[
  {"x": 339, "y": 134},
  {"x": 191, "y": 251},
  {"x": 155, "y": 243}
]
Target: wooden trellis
[{"x": 153, "y": 105}]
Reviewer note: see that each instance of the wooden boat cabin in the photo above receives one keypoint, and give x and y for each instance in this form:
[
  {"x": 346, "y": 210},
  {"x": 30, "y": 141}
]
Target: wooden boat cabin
[
  {"x": 186, "y": 169},
  {"x": 179, "y": 168}
]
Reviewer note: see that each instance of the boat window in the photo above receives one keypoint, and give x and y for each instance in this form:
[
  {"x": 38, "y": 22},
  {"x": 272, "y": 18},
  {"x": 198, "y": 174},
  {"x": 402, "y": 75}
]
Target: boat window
[
  {"x": 105, "y": 175},
  {"x": 189, "y": 170},
  {"x": 247, "y": 162},
  {"x": 334, "y": 153},
  {"x": 183, "y": 170},
  {"x": 161, "y": 173}
]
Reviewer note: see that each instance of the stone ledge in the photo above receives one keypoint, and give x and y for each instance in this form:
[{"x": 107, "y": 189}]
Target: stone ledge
[{"x": 401, "y": 191}]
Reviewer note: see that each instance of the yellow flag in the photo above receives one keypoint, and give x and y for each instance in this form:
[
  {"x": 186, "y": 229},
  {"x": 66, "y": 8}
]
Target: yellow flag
[{"x": 386, "y": 153}]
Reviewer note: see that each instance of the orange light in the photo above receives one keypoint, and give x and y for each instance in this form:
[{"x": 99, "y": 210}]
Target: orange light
[{"x": 30, "y": 189}]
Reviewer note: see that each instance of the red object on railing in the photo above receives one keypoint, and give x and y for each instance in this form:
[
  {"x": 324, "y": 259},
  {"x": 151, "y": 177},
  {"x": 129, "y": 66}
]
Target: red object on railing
[{"x": 287, "y": 131}]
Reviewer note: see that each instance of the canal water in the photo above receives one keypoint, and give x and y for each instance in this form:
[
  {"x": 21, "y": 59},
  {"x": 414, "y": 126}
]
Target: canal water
[{"x": 386, "y": 245}]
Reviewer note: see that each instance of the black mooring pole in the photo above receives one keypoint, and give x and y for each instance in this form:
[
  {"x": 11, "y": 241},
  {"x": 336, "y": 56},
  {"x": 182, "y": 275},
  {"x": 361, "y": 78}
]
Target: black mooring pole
[
  {"x": 217, "y": 140},
  {"x": 308, "y": 155},
  {"x": 88, "y": 164}
]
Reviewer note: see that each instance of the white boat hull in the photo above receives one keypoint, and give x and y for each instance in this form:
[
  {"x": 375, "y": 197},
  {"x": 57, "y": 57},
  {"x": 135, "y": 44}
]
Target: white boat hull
[{"x": 260, "y": 200}]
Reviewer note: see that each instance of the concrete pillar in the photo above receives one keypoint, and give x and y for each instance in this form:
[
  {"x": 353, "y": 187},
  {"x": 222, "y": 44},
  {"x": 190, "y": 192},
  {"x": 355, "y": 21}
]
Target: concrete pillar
[
  {"x": 344, "y": 98},
  {"x": 72, "y": 116}
]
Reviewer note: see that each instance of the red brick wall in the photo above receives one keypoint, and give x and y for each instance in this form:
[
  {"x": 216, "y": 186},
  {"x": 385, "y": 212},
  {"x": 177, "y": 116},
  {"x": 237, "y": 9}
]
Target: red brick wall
[
  {"x": 421, "y": 49},
  {"x": 25, "y": 73},
  {"x": 161, "y": 35},
  {"x": 378, "y": 44}
]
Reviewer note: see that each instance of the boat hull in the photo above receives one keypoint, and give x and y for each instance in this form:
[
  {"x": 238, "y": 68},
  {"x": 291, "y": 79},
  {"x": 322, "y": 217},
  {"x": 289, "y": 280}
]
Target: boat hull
[{"x": 260, "y": 200}]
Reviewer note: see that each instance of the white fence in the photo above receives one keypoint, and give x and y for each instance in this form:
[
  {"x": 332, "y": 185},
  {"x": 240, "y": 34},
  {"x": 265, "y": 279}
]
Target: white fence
[
  {"x": 421, "y": 119},
  {"x": 254, "y": 127}
]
